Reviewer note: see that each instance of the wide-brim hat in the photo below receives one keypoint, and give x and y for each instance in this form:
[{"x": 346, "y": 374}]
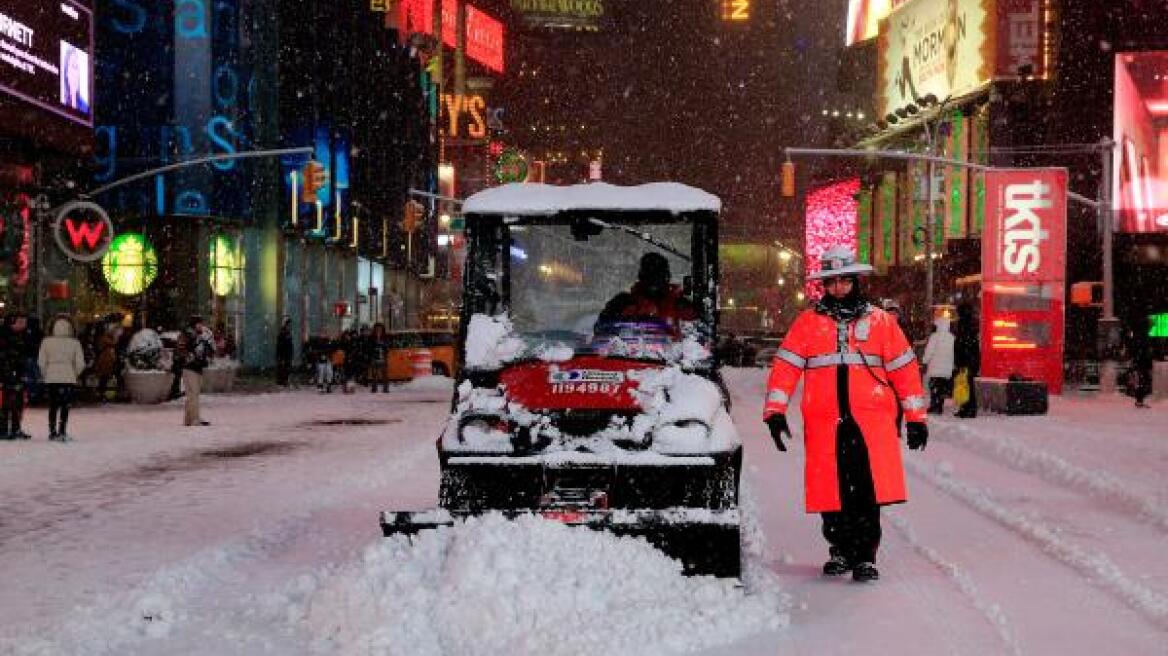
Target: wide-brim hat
[{"x": 850, "y": 269}]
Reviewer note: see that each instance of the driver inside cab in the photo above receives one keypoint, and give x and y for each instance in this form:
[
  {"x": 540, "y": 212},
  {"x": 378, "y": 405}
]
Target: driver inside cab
[{"x": 653, "y": 296}]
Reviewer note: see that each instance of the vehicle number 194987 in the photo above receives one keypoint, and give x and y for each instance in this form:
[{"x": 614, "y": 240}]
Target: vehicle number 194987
[{"x": 585, "y": 388}]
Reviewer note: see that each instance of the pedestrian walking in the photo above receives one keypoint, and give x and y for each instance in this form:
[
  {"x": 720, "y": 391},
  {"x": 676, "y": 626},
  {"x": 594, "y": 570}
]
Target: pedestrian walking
[
  {"x": 61, "y": 360},
  {"x": 284, "y": 352},
  {"x": 14, "y": 349},
  {"x": 856, "y": 364},
  {"x": 105, "y": 365},
  {"x": 966, "y": 361},
  {"x": 196, "y": 356},
  {"x": 938, "y": 358}
]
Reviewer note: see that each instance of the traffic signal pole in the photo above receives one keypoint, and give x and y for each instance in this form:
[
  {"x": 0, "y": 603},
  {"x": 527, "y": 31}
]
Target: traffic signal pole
[
  {"x": 1108, "y": 323},
  {"x": 247, "y": 154}
]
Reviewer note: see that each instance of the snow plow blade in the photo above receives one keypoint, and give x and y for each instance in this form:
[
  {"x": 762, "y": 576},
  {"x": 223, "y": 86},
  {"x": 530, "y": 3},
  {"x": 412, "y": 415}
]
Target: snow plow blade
[
  {"x": 705, "y": 542},
  {"x": 686, "y": 506}
]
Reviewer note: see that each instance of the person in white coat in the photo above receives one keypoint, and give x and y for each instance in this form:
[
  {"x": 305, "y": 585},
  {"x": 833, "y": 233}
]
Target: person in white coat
[
  {"x": 938, "y": 359},
  {"x": 61, "y": 360}
]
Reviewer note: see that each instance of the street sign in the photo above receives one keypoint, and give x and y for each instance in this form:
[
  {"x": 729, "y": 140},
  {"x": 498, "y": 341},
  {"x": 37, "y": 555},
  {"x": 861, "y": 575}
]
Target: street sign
[{"x": 83, "y": 231}]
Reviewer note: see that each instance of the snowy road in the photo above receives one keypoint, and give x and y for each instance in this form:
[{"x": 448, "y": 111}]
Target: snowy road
[{"x": 258, "y": 535}]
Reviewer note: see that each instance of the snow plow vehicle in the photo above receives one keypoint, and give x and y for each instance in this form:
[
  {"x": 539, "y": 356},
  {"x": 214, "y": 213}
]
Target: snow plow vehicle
[{"x": 587, "y": 391}]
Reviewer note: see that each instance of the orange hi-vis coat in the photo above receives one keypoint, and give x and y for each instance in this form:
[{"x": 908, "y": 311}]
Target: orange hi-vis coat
[{"x": 881, "y": 369}]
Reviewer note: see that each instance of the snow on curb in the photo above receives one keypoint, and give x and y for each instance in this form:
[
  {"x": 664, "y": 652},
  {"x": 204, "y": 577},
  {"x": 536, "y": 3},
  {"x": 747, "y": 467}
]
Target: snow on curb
[
  {"x": 528, "y": 586},
  {"x": 992, "y": 612},
  {"x": 1094, "y": 566},
  {"x": 1056, "y": 470}
]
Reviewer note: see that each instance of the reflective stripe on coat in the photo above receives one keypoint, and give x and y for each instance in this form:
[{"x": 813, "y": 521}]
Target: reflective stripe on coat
[{"x": 881, "y": 371}]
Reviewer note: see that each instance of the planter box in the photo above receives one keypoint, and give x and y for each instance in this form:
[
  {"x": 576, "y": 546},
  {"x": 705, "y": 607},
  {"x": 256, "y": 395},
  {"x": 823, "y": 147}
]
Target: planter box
[
  {"x": 1012, "y": 397},
  {"x": 148, "y": 386},
  {"x": 219, "y": 379}
]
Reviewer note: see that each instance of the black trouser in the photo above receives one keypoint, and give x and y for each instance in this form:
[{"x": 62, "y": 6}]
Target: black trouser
[
  {"x": 12, "y": 410},
  {"x": 283, "y": 369},
  {"x": 854, "y": 531},
  {"x": 60, "y": 398},
  {"x": 939, "y": 389}
]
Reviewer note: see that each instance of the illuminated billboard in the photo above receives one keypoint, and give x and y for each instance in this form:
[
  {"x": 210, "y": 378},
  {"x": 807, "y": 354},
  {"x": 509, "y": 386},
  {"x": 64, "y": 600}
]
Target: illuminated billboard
[
  {"x": 1140, "y": 171},
  {"x": 484, "y": 34},
  {"x": 864, "y": 18},
  {"x": 560, "y": 14},
  {"x": 939, "y": 47},
  {"x": 46, "y": 55},
  {"x": 831, "y": 220},
  {"x": 484, "y": 39}
]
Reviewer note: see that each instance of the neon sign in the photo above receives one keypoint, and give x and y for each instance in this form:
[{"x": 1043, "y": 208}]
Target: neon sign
[
  {"x": 484, "y": 39},
  {"x": 736, "y": 11},
  {"x": 83, "y": 231},
  {"x": 130, "y": 265},
  {"x": 475, "y": 106}
]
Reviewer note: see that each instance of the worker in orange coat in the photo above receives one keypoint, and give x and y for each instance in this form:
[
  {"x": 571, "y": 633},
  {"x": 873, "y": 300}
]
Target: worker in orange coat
[{"x": 857, "y": 367}]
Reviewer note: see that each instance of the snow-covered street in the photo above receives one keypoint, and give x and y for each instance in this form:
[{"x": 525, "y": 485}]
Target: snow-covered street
[{"x": 258, "y": 534}]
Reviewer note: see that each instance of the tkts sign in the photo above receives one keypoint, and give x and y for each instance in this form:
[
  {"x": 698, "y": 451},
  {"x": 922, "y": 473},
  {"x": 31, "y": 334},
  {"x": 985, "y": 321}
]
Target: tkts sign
[
  {"x": 83, "y": 231},
  {"x": 1026, "y": 225},
  {"x": 1024, "y": 260}
]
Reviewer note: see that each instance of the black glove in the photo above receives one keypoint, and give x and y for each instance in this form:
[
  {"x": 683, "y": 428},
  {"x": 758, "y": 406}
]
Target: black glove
[
  {"x": 778, "y": 425},
  {"x": 918, "y": 434}
]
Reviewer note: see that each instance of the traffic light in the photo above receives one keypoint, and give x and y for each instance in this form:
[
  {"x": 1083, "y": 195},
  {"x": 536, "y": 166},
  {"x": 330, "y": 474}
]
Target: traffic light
[
  {"x": 787, "y": 185},
  {"x": 412, "y": 215},
  {"x": 315, "y": 177}
]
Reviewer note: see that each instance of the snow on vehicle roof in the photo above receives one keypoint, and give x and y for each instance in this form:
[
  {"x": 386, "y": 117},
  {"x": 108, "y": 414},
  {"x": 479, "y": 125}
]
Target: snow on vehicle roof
[{"x": 541, "y": 199}]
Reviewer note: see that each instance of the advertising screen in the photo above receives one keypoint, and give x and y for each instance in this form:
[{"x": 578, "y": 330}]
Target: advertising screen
[
  {"x": 939, "y": 47},
  {"x": 1024, "y": 250},
  {"x": 864, "y": 18},
  {"x": 46, "y": 56},
  {"x": 1140, "y": 171}
]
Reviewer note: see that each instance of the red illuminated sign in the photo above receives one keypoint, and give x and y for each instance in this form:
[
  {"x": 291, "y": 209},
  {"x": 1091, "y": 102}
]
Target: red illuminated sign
[
  {"x": 484, "y": 39},
  {"x": 1023, "y": 274},
  {"x": 83, "y": 231},
  {"x": 418, "y": 16}
]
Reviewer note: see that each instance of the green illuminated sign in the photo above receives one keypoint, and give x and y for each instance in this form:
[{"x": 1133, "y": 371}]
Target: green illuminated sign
[
  {"x": 511, "y": 167},
  {"x": 225, "y": 265},
  {"x": 1159, "y": 326},
  {"x": 130, "y": 265}
]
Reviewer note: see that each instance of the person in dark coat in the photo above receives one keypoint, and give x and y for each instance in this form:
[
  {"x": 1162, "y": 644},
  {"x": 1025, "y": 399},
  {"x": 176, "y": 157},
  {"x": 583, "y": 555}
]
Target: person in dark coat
[
  {"x": 378, "y": 348},
  {"x": 1141, "y": 360},
  {"x": 967, "y": 356},
  {"x": 284, "y": 352},
  {"x": 196, "y": 356},
  {"x": 14, "y": 349}
]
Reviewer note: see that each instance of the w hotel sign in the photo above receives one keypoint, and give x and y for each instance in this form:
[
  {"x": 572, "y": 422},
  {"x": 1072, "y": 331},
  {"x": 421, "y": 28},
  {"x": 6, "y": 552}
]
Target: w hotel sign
[{"x": 83, "y": 231}]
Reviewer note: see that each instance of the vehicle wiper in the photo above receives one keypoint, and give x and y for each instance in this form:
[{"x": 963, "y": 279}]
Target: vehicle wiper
[{"x": 643, "y": 236}]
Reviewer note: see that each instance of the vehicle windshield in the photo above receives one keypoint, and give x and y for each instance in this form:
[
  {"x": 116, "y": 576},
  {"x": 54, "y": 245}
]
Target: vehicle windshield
[{"x": 585, "y": 286}]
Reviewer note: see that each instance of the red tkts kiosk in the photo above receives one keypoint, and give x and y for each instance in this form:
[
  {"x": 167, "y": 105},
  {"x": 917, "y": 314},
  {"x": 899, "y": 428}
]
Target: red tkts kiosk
[{"x": 1024, "y": 275}]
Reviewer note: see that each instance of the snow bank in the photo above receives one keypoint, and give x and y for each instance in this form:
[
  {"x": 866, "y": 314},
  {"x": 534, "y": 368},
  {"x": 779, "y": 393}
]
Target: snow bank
[
  {"x": 683, "y": 411},
  {"x": 529, "y": 586},
  {"x": 541, "y": 199},
  {"x": 430, "y": 384},
  {"x": 490, "y": 342}
]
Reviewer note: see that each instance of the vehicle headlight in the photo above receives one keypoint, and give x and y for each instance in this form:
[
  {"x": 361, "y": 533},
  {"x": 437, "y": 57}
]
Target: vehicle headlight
[
  {"x": 485, "y": 430},
  {"x": 681, "y": 432}
]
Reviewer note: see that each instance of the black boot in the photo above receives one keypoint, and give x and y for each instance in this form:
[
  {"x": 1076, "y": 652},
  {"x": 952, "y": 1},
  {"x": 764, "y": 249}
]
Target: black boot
[
  {"x": 864, "y": 572},
  {"x": 837, "y": 565}
]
